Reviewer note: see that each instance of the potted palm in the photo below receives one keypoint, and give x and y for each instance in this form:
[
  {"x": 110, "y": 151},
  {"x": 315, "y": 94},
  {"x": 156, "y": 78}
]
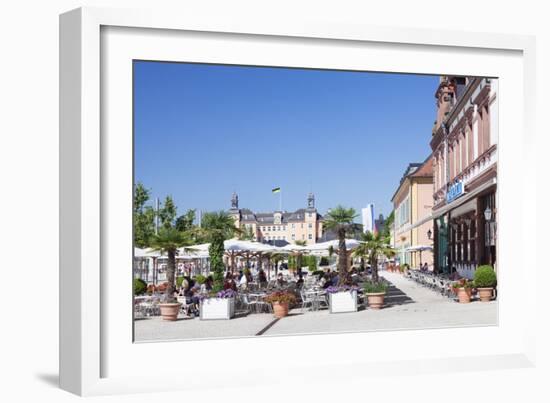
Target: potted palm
[
  {"x": 372, "y": 247},
  {"x": 342, "y": 298},
  {"x": 281, "y": 300},
  {"x": 375, "y": 292},
  {"x": 485, "y": 281},
  {"x": 463, "y": 290},
  {"x": 168, "y": 240},
  {"x": 340, "y": 220}
]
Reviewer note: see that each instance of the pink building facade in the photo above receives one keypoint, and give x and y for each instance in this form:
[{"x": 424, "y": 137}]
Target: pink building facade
[{"x": 464, "y": 144}]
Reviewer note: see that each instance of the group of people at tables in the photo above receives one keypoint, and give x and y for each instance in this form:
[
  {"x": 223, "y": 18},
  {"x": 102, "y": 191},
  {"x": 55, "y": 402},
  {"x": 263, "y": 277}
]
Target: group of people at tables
[{"x": 192, "y": 290}]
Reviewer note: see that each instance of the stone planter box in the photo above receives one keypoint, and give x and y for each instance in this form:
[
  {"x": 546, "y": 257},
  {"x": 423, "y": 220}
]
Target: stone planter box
[
  {"x": 217, "y": 308},
  {"x": 345, "y": 301}
]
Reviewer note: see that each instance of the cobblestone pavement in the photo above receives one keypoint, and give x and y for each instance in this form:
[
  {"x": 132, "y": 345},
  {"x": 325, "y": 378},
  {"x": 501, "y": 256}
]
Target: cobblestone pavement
[{"x": 408, "y": 306}]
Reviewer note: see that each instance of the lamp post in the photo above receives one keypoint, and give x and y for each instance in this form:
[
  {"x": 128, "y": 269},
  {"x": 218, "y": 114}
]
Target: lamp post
[
  {"x": 488, "y": 214},
  {"x": 429, "y": 234}
]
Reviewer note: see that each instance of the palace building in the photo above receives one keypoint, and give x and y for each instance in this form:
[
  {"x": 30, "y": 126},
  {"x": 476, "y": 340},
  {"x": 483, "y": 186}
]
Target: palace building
[
  {"x": 464, "y": 144},
  {"x": 280, "y": 227}
]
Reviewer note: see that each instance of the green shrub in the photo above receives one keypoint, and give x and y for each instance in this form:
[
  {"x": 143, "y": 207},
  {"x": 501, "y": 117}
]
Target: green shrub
[
  {"x": 179, "y": 281},
  {"x": 140, "y": 286},
  {"x": 200, "y": 279},
  {"x": 311, "y": 263},
  {"x": 291, "y": 262},
  {"x": 485, "y": 276},
  {"x": 371, "y": 287}
]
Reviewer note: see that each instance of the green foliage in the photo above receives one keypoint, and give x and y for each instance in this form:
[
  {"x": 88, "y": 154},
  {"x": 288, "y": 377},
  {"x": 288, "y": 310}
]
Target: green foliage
[
  {"x": 216, "y": 228},
  {"x": 200, "y": 279},
  {"x": 485, "y": 277},
  {"x": 310, "y": 262},
  {"x": 179, "y": 281},
  {"x": 247, "y": 234},
  {"x": 340, "y": 220},
  {"x": 168, "y": 240},
  {"x": 292, "y": 262},
  {"x": 324, "y": 261},
  {"x": 216, "y": 251},
  {"x": 372, "y": 247},
  {"x": 167, "y": 214},
  {"x": 388, "y": 224},
  {"x": 140, "y": 286},
  {"x": 185, "y": 221},
  {"x": 144, "y": 217},
  {"x": 373, "y": 287},
  {"x": 141, "y": 196}
]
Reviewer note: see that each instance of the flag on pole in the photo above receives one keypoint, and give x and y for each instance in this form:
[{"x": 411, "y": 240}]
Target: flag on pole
[{"x": 275, "y": 190}]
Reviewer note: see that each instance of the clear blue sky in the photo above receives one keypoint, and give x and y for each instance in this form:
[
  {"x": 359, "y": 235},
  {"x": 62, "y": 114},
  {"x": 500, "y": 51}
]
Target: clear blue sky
[{"x": 204, "y": 131}]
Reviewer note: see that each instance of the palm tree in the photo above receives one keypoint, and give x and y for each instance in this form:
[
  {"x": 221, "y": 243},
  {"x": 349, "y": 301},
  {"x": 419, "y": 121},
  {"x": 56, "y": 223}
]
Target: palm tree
[
  {"x": 340, "y": 220},
  {"x": 372, "y": 247},
  {"x": 299, "y": 255},
  {"x": 216, "y": 228},
  {"x": 168, "y": 240},
  {"x": 275, "y": 258}
]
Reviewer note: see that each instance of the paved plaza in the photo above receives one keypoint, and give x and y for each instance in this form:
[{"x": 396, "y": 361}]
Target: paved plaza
[{"x": 408, "y": 306}]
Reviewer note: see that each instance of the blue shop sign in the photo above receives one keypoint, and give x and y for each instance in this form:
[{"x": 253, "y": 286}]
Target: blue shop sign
[{"x": 455, "y": 191}]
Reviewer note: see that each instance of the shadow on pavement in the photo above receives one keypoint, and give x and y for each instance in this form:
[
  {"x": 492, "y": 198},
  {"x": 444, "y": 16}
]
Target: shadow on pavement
[{"x": 395, "y": 297}]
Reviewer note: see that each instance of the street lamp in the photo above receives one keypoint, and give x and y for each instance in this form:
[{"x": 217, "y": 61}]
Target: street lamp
[
  {"x": 430, "y": 233},
  {"x": 488, "y": 214}
]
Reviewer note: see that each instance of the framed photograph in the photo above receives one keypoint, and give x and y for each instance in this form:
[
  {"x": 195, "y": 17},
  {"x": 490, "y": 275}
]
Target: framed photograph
[{"x": 244, "y": 192}]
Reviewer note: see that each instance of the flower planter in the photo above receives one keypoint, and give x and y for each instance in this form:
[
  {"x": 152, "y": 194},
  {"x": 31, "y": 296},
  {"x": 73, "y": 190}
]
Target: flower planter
[
  {"x": 170, "y": 311},
  {"x": 280, "y": 309},
  {"x": 343, "y": 301},
  {"x": 486, "y": 294},
  {"x": 464, "y": 295},
  {"x": 375, "y": 300},
  {"x": 217, "y": 308}
]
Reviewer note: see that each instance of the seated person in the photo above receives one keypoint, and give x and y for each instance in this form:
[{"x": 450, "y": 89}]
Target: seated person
[
  {"x": 229, "y": 283},
  {"x": 243, "y": 282},
  {"x": 300, "y": 281},
  {"x": 262, "y": 278},
  {"x": 207, "y": 285},
  {"x": 325, "y": 281},
  {"x": 280, "y": 280}
]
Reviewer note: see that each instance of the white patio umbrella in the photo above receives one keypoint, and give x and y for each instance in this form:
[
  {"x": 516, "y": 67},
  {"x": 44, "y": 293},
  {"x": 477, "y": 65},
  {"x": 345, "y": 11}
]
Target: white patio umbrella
[
  {"x": 292, "y": 248},
  {"x": 148, "y": 252},
  {"x": 350, "y": 244}
]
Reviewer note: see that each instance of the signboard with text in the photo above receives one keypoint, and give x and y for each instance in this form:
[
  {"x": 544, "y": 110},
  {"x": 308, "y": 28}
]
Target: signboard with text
[{"x": 456, "y": 190}]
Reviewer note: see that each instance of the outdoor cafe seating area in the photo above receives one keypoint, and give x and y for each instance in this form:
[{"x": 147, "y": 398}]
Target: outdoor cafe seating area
[{"x": 250, "y": 299}]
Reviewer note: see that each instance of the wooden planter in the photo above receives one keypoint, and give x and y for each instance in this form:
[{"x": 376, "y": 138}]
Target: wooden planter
[
  {"x": 170, "y": 311},
  {"x": 345, "y": 301},
  {"x": 217, "y": 308},
  {"x": 280, "y": 309},
  {"x": 375, "y": 300}
]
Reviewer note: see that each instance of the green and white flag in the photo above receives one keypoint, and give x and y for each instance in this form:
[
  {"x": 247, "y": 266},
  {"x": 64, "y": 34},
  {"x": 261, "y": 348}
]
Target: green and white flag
[{"x": 275, "y": 190}]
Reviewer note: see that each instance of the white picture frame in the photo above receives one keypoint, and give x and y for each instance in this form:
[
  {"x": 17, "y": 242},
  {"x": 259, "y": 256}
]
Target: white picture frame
[{"x": 91, "y": 360}]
